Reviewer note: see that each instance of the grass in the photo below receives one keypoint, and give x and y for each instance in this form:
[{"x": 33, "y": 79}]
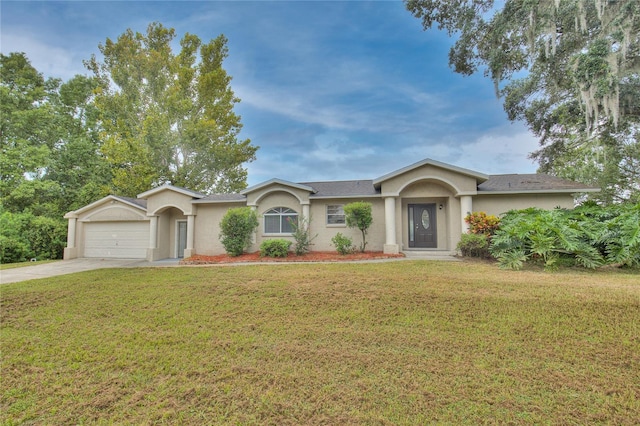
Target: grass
[
  {"x": 23, "y": 264},
  {"x": 409, "y": 342}
]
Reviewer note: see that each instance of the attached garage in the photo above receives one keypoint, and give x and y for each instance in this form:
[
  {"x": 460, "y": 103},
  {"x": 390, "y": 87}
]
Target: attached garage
[
  {"x": 125, "y": 240},
  {"x": 115, "y": 227}
]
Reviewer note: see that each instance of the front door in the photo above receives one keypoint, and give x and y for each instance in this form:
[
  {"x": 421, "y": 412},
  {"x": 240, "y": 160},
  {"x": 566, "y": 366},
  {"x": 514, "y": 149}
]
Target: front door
[
  {"x": 182, "y": 238},
  {"x": 422, "y": 226}
]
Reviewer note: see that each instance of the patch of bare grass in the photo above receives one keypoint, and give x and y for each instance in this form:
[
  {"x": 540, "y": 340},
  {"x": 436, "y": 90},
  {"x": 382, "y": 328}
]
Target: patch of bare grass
[{"x": 393, "y": 343}]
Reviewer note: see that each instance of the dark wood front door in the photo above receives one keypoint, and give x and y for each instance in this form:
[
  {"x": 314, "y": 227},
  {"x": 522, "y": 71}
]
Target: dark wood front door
[{"x": 422, "y": 226}]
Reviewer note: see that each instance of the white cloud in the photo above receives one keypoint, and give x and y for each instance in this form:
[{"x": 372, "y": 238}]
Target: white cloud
[{"x": 51, "y": 61}]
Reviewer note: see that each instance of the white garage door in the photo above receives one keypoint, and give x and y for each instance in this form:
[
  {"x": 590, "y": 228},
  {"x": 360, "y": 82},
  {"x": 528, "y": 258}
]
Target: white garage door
[{"x": 125, "y": 240}]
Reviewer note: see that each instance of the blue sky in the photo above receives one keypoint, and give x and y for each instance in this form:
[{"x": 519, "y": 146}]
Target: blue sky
[{"x": 331, "y": 90}]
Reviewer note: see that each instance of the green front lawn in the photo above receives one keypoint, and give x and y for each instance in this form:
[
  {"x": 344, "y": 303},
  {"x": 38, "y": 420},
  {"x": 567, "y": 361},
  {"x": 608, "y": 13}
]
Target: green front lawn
[{"x": 409, "y": 342}]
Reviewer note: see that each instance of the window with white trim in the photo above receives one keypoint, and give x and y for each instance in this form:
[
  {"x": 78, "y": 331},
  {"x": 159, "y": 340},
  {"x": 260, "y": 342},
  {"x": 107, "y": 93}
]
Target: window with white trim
[
  {"x": 279, "y": 220},
  {"x": 335, "y": 214}
]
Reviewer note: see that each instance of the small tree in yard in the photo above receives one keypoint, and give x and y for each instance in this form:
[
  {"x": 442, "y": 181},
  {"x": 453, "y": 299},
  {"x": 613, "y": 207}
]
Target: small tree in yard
[
  {"x": 302, "y": 235},
  {"x": 236, "y": 226},
  {"x": 358, "y": 215}
]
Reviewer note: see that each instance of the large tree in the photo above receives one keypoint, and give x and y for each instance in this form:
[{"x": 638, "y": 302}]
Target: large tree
[
  {"x": 568, "y": 68},
  {"x": 169, "y": 118},
  {"x": 49, "y": 162}
]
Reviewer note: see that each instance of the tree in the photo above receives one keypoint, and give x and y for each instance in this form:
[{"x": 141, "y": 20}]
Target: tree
[
  {"x": 77, "y": 163},
  {"x": 567, "y": 68},
  {"x": 169, "y": 118},
  {"x": 49, "y": 162},
  {"x": 358, "y": 215},
  {"x": 26, "y": 121}
]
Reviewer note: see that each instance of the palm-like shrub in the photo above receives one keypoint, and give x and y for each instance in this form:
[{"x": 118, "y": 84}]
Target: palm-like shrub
[
  {"x": 589, "y": 235},
  {"x": 543, "y": 235}
]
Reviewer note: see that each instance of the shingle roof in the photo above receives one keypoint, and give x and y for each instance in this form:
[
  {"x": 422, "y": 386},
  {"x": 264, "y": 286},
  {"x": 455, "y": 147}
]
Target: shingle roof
[
  {"x": 137, "y": 201},
  {"x": 531, "y": 182},
  {"x": 221, "y": 198},
  {"x": 344, "y": 188}
]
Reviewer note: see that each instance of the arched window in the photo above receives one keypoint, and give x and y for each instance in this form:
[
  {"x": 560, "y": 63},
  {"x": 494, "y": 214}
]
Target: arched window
[{"x": 280, "y": 220}]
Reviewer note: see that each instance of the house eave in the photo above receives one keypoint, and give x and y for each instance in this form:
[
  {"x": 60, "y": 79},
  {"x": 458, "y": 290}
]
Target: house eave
[
  {"x": 333, "y": 197},
  {"x": 204, "y": 201},
  {"x": 541, "y": 191}
]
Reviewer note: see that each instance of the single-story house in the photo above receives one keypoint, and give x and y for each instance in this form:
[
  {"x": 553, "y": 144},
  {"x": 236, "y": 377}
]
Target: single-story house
[{"x": 419, "y": 207}]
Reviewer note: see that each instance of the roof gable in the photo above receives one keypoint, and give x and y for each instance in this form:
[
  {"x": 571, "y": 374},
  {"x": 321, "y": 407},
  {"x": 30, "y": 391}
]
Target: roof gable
[
  {"x": 167, "y": 187},
  {"x": 481, "y": 177},
  {"x": 277, "y": 181},
  {"x": 138, "y": 204}
]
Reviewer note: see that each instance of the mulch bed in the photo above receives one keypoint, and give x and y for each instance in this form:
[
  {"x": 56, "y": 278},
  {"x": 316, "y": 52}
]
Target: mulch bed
[{"x": 314, "y": 256}]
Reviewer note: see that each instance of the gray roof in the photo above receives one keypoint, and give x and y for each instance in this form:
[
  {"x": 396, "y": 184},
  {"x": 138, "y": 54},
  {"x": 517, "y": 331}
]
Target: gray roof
[
  {"x": 137, "y": 201},
  {"x": 343, "y": 188},
  {"x": 221, "y": 198},
  {"x": 531, "y": 183}
]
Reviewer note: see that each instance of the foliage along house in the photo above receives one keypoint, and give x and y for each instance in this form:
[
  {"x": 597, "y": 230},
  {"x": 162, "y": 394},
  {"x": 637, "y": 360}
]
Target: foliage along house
[{"x": 418, "y": 207}]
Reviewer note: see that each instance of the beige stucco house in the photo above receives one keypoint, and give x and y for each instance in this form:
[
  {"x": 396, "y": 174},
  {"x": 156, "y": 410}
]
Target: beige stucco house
[{"x": 419, "y": 207}]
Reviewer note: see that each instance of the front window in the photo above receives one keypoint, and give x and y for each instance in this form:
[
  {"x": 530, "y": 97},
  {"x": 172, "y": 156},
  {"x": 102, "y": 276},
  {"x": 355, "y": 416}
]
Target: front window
[
  {"x": 335, "y": 214},
  {"x": 280, "y": 220}
]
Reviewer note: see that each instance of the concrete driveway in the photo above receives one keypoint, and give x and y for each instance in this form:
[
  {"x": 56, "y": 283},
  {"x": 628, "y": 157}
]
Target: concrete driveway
[{"x": 63, "y": 267}]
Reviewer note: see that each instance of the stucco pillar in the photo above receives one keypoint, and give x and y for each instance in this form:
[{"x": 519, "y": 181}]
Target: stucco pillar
[
  {"x": 189, "y": 251},
  {"x": 466, "y": 207},
  {"x": 70, "y": 251},
  {"x": 305, "y": 214},
  {"x": 153, "y": 232},
  {"x": 71, "y": 232},
  {"x": 254, "y": 235},
  {"x": 391, "y": 246},
  {"x": 152, "y": 251}
]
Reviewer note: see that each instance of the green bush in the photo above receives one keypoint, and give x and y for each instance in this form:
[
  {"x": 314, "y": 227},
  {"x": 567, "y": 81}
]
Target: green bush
[
  {"x": 302, "y": 235},
  {"x": 275, "y": 248},
  {"x": 474, "y": 245},
  {"x": 47, "y": 237},
  {"x": 13, "y": 250},
  {"x": 236, "y": 228},
  {"x": 343, "y": 244},
  {"x": 14, "y": 243}
]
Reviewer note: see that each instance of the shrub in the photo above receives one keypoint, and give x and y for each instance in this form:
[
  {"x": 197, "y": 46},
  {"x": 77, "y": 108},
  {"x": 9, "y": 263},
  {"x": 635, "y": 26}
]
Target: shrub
[
  {"x": 343, "y": 244},
  {"x": 236, "y": 227},
  {"x": 13, "y": 250},
  {"x": 474, "y": 245},
  {"x": 302, "y": 235},
  {"x": 545, "y": 236},
  {"x": 47, "y": 237},
  {"x": 358, "y": 215},
  {"x": 482, "y": 223},
  {"x": 275, "y": 248}
]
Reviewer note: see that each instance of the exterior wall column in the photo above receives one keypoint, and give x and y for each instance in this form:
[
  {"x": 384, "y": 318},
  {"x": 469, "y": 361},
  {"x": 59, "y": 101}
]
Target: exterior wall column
[
  {"x": 305, "y": 214},
  {"x": 391, "y": 246},
  {"x": 466, "y": 207},
  {"x": 70, "y": 251},
  {"x": 191, "y": 222},
  {"x": 254, "y": 235},
  {"x": 153, "y": 232},
  {"x": 152, "y": 252}
]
